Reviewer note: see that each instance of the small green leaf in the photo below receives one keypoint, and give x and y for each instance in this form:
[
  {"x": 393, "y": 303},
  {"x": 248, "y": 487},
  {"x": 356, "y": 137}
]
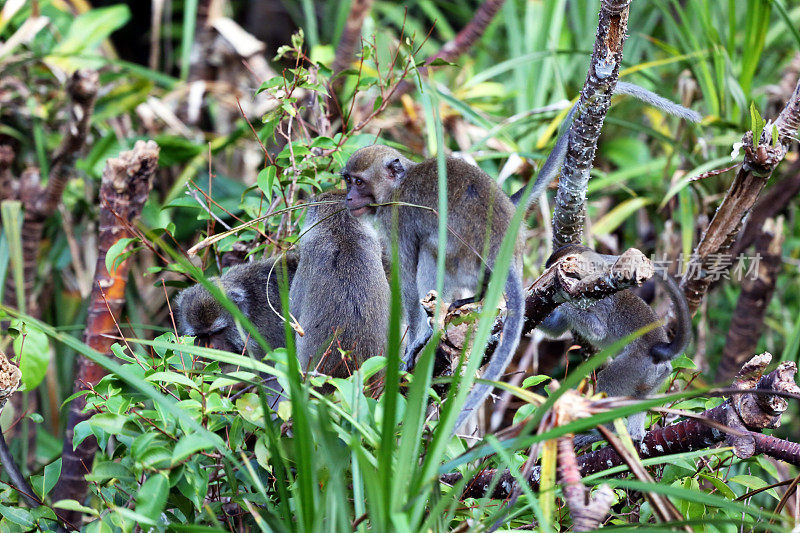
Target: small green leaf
[
  {"x": 152, "y": 496},
  {"x": 249, "y": 406},
  {"x": 757, "y": 123},
  {"x": 532, "y": 381},
  {"x": 108, "y": 422},
  {"x": 44, "y": 484},
  {"x": 33, "y": 349},
  {"x": 72, "y": 505},
  {"x": 266, "y": 180},
  {"x": 116, "y": 254},
  {"x": 172, "y": 377},
  {"x": 188, "y": 445}
]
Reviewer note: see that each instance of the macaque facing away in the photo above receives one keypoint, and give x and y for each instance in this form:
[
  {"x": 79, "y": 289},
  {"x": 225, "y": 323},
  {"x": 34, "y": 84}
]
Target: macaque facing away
[{"x": 340, "y": 295}]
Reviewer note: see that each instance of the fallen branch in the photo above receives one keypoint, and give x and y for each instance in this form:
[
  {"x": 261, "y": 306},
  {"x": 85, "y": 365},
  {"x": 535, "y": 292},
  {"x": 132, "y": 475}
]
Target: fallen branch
[
  {"x": 745, "y": 414},
  {"x": 123, "y": 192},
  {"x": 593, "y": 105},
  {"x": 760, "y": 159}
]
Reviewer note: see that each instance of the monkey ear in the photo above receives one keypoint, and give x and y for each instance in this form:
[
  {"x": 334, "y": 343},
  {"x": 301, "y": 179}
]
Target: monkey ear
[
  {"x": 237, "y": 296},
  {"x": 396, "y": 169}
]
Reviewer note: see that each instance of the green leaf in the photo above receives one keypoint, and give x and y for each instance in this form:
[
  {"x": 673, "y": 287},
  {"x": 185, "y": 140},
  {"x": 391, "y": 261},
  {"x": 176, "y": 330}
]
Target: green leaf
[
  {"x": 152, "y": 497},
  {"x": 33, "y": 349},
  {"x": 115, "y": 254},
  {"x": 532, "y": 381},
  {"x": 72, "y": 505},
  {"x": 172, "y": 377},
  {"x": 757, "y": 123},
  {"x": 108, "y": 422},
  {"x": 85, "y": 33},
  {"x": 188, "y": 445},
  {"x": 44, "y": 484},
  {"x": 249, "y": 406},
  {"x": 17, "y": 515},
  {"x": 266, "y": 180}
]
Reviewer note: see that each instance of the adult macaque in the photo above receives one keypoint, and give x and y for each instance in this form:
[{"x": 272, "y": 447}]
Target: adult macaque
[
  {"x": 340, "y": 295},
  {"x": 478, "y": 216}
]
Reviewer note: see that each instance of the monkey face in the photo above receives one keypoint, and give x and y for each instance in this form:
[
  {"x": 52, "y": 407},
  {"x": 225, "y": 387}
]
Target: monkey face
[
  {"x": 371, "y": 174},
  {"x": 202, "y": 317}
]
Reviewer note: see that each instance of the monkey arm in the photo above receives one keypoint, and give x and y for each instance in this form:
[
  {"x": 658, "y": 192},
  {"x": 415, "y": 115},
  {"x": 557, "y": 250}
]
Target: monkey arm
[{"x": 418, "y": 331}]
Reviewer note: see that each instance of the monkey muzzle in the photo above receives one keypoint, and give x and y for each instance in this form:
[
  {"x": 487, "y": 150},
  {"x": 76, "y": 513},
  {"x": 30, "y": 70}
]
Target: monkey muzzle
[{"x": 357, "y": 208}]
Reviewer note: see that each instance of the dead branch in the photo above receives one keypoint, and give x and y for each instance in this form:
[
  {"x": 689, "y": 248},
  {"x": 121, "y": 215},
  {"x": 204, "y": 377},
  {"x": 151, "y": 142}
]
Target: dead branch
[
  {"x": 748, "y": 317},
  {"x": 460, "y": 44},
  {"x": 745, "y": 414},
  {"x": 123, "y": 192},
  {"x": 760, "y": 159},
  {"x": 7, "y": 157},
  {"x": 594, "y": 102},
  {"x": 41, "y": 202},
  {"x": 351, "y": 36},
  {"x": 770, "y": 204},
  {"x": 588, "y": 511}
]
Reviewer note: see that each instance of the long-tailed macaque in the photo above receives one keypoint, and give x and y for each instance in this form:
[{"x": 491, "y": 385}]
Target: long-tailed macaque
[
  {"x": 249, "y": 286},
  {"x": 643, "y": 364},
  {"x": 340, "y": 295},
  {"x": 478, "y": 217}
]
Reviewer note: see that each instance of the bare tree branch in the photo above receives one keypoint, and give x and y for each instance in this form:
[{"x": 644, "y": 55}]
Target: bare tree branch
[
  {"x": 748, "y": 317},
  {"x": 123, "y": 192},
  {"x": 594, "y": 102},
  {"x": 760, "y": 159}
]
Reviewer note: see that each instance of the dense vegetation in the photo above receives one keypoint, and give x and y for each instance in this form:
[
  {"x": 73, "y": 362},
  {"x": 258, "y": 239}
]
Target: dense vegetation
[{"x": 246, "y": 133}]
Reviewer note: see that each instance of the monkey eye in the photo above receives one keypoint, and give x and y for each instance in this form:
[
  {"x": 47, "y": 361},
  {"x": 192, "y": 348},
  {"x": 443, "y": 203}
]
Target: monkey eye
[{"x": 359, "y": 182}]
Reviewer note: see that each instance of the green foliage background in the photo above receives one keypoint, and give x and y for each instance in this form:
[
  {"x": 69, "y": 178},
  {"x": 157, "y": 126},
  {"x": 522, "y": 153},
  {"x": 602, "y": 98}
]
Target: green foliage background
[{"x": 185, "y": 441}]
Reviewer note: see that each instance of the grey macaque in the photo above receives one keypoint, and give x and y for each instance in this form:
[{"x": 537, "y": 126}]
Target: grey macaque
[
  {"x": 643, "y": 364},
  {"x": 479, "y": 214},
  {"x": 340, "y": 295},
  {"x": 477, "y": 210},
  {"x": 249, "y": 286}
]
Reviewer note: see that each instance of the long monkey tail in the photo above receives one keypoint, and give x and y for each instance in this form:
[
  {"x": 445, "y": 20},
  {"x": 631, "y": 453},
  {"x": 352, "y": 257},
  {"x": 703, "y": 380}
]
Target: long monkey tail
[
  {"x": 512, "y": 331},
  {"x": 664, "y": 351},
  {"x": 554, "y": 161}
]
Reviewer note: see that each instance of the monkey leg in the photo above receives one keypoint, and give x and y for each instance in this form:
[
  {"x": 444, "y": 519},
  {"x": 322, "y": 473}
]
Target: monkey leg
[{"x": 413, "y": 349}]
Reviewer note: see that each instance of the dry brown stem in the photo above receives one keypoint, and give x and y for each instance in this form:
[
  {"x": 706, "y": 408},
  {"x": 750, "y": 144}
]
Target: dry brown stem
[
  {"x": 760, "y": 159},
  {"x": 123, "y": 192}
]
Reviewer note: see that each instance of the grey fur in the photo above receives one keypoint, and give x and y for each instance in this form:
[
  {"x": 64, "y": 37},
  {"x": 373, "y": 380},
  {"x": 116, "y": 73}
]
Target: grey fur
[
  {"x": 340, "y": 295},
  {"x": 476, "y": 205},
  {"x": 247, "y": 285},
  {"x": 643, "y": 364}
]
